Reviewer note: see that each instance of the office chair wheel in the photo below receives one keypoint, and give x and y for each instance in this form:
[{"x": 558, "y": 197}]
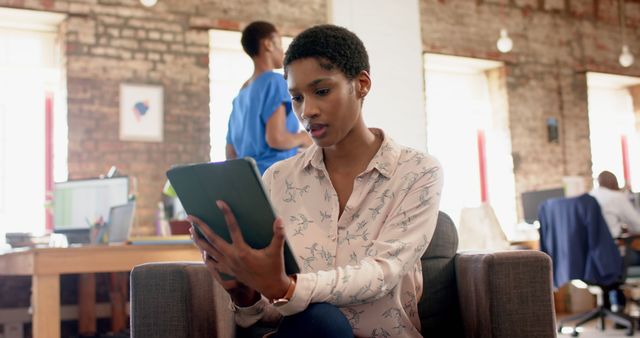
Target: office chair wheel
[{"x": 573, "y": 334}]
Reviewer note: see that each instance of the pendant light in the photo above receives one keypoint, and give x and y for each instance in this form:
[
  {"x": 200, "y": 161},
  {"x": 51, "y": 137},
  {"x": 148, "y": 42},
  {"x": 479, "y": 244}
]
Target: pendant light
[
  {"x": 148, "y": 3},
  {"x": 626, "y": 58},
  {"x": 504, "y": 43}
]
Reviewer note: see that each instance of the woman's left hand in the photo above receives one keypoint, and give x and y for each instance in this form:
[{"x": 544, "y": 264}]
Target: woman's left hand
[{"x": 260, "y": 269}]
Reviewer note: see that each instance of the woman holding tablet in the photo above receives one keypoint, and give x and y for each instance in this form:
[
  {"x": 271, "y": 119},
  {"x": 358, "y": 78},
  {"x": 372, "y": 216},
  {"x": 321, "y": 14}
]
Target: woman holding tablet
[{"x": 357, "y": 209}]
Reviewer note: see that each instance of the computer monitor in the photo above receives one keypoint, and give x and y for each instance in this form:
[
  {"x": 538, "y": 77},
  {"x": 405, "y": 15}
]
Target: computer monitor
[
  {"x": 531, "y": 201},
  {"x": 77, "y": 203}
]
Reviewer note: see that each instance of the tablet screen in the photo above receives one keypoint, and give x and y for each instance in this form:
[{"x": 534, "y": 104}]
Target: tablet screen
[{"x": 238, "y": 183}]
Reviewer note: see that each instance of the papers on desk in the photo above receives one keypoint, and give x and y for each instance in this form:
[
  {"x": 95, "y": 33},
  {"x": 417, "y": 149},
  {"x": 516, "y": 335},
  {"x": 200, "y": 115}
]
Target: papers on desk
[
  {"x": 160, "y": 240},
  {"x": 4, "y": 248},
  {"x": 523, "y": 232},
  {"x": 23, "y": 239}
]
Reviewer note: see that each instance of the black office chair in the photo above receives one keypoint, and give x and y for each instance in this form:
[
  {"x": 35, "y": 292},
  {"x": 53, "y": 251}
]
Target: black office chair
[
  {"x": 575, "y": 235},
  {"x": 631, "y": 272}
]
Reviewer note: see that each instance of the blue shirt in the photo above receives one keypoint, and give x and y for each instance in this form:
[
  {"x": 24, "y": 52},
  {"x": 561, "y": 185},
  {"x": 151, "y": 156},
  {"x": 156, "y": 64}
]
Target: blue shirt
[{"x": 252, "y": 108}]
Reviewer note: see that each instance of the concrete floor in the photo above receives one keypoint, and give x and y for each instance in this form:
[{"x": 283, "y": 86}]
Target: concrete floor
[{"x": 591, "y": 331}]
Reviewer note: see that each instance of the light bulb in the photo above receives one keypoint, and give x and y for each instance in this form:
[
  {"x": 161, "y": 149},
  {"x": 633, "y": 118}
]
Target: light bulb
[
  {"x": 626, "y": 58},
  {"x": 149, "y": 3},
  {"x": 504, "y": 44}
]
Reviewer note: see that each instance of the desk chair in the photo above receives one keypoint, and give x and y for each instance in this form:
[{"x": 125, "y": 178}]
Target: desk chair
[
  {"x": 573, "y": 232},
  {"x": 626, "y": 242}
]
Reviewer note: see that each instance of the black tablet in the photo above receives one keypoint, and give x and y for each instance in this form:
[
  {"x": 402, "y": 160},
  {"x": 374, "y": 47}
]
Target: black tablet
[{"x": 238, "y": 183}]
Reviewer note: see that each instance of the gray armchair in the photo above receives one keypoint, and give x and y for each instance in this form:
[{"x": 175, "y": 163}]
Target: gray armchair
[{"x": 505, "y": 294}]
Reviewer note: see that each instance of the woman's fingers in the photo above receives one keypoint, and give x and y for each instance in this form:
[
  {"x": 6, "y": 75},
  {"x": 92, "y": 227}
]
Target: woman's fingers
[
  {"x": 277, "y": 242},
  {"x": 219, "y": 267},
  {"x": 200, "y": 242},
  {"x": 208, "y": 234},
  {"x": 232, "y": 225},
  {"x": 201, "y": 230},
  {"x": 206, "y": 247},
  {"x": 251, "y": 268},
  {"x": 226, "y": 284}
]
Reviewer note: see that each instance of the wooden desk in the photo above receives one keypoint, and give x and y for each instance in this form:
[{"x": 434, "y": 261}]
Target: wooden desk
[
  {"x": 529, "y": 244},
  {"x": 45, "y": 265}
]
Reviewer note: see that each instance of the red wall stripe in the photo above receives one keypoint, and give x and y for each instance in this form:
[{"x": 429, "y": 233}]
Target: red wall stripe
[
  {"x": 625, "y": 160},
  {"x": 482, "y": 164}
]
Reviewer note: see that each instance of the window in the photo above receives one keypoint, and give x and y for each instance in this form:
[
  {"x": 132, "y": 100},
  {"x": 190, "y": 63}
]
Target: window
[
  {"x": 467, "y": 129},
  {"x": 229, "y": 68},
  {"x": 612, "y": 125},
  {"x": 3, "y": 156},
  {"x": 29, "y": 72}
]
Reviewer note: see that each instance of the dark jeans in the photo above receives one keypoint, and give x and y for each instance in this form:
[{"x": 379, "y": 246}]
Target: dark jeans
[
  {"x": 633, "y": 257},
  {"x": 319, "y": 320}
]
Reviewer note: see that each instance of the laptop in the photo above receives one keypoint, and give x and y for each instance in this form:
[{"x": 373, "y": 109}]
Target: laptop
[{"x": 120, "y": 222}]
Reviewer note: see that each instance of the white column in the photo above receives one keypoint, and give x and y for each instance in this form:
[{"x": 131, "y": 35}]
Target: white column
[{"x": 390, "y": 31}]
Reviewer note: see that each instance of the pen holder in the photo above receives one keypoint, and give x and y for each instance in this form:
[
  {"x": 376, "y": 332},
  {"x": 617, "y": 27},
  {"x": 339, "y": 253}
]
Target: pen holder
[{"x": 99, "y": 233}]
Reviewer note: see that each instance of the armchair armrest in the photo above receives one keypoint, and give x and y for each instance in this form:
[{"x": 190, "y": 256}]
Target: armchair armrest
[
  {"x": 178, "y": 300},
  {"x": 506, "y": 294}
]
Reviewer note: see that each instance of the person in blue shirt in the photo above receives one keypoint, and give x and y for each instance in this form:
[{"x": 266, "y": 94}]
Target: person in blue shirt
[{"x": 262, "y": 124}]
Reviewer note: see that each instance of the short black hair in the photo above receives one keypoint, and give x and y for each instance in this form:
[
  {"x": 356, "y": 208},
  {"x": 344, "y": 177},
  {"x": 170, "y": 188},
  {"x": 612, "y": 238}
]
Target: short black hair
[
  {"x": 253, "y": 34},
  {"x": 333, "y": 44}
]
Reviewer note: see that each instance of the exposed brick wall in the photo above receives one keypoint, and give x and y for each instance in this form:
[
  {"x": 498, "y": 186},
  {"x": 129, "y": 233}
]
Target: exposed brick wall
[
  {"x": 109, "y": 42},
  {"x": 635, "y": 97},
  {"x": 555, "y": 44}
]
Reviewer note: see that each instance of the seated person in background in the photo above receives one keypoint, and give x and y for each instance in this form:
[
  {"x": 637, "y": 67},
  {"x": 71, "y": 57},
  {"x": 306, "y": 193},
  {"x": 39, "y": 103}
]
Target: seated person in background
[
  {"x": 618, "y": 211},
  {"x": 357, "y": 209},
  {"x": 616, "y": 206},
  {"x": 262, "y": 124}
]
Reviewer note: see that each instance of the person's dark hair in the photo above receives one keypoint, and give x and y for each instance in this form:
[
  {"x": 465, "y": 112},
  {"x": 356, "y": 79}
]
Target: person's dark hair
[
  {"x": 608, "y": 180},
  {"x": 253, "y": 34},
  {"x": 332, "y": 46}
]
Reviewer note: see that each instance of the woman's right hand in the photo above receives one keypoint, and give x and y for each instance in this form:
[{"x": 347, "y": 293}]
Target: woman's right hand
[{"x": 241, "y": 295}]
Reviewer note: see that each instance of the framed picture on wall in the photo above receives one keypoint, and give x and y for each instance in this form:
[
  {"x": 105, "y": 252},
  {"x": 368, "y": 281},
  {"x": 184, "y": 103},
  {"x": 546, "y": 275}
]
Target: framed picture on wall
[{"x": 141, "y": 112}]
